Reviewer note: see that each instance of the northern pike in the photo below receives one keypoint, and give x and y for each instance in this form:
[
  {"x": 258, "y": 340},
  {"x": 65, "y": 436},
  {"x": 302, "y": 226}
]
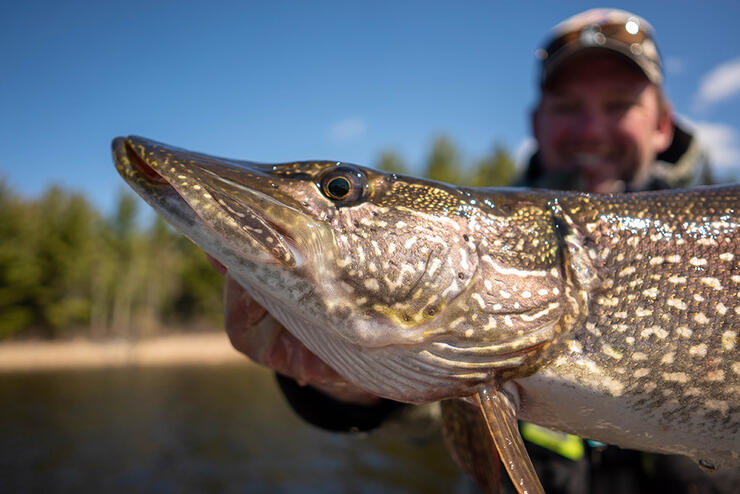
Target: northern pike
[{"x": 613, "y": 317}]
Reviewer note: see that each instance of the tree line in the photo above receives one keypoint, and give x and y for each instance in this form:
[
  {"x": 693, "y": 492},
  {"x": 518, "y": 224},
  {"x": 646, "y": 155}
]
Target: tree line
[{"x": 67, "y": 270}]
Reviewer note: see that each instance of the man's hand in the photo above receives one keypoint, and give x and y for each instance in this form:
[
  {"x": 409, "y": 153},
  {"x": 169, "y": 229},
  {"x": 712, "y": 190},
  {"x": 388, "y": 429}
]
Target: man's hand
[{"x": 259, "y": 336}]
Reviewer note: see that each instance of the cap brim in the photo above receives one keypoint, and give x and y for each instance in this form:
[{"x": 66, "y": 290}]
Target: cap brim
[{"x": 550, "y": 66}]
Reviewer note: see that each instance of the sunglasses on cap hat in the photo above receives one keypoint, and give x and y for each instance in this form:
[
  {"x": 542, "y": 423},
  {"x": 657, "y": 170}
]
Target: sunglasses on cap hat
[{"x": 616, "y": 30}]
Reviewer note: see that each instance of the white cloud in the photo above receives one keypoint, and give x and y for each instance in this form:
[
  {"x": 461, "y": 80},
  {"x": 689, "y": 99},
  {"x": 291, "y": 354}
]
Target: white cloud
[
  {"x": 721, "y": 83},
  {"x": 722, "y": 144},
  {"x": 347, "y": 129}
]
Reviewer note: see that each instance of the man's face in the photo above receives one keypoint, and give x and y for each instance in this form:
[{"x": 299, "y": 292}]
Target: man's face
[{"x": 600, "y": 118}]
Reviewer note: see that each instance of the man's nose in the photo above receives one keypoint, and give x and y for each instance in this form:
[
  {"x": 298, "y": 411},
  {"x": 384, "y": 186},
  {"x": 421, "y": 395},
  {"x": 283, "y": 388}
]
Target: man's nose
[{"x": 592, "y": 123}]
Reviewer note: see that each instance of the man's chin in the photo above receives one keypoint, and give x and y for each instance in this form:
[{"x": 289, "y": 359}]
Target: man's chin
[
  {"x": 602, "y": 178},
  {"x": 606, "y": 186}
]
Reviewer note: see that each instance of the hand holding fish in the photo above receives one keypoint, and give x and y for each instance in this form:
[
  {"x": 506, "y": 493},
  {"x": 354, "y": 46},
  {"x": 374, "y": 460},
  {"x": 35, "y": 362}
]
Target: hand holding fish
[{"x": 259, "y": 336}]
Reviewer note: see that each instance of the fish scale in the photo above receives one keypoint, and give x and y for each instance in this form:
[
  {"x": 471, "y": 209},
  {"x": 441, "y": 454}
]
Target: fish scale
[{"x": 614, "y": 317}]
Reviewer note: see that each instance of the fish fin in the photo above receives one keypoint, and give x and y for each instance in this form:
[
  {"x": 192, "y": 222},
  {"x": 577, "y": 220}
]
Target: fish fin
[
  {"x": 498, "y": 412},
  {"x": 463, "y": 427}
]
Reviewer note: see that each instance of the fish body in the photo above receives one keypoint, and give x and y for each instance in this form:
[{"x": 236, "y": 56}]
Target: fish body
[
  {"x": 659, "y": 340},
  {"x": 612, "y": 317}
]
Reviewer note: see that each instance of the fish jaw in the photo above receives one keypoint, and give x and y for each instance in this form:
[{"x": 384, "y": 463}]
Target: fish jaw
[
  {"x": 272, "y": 264},
  {"x": 188, "y": 189}
]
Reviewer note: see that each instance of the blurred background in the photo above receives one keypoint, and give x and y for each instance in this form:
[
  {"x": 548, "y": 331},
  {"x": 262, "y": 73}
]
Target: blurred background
[{"x": 425, "y": 88}]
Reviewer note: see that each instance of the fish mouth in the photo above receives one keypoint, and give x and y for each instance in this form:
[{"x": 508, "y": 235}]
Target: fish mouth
[
  {"x": 139, "y": 164},
  {"x": 192, "y": 190}
]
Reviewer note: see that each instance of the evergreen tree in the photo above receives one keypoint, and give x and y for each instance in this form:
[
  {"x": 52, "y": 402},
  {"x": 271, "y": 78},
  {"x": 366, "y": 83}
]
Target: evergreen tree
[
  {"x": 65, "y": 246},
  {"x": 129, "y": 250},
  {"x": 497, "y": 170},
  {"x": 19, "y": 273},
  {"x": 444, "y": 162},
  {"x": 198, "y": 297},
  {"x": 391, "y": 161}
]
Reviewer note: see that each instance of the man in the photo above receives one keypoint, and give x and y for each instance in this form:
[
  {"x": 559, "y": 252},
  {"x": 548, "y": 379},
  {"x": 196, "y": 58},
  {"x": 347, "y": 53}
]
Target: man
[{"x": 602, "y": 124}]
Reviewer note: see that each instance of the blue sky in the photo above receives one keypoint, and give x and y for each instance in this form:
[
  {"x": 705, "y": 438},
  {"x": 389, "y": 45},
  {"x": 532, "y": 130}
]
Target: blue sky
[{"x": 278, "y": 81}]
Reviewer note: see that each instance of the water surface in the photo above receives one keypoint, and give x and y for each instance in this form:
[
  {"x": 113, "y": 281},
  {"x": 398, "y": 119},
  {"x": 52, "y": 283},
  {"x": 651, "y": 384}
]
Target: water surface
[{"x": 192, "y": 430}]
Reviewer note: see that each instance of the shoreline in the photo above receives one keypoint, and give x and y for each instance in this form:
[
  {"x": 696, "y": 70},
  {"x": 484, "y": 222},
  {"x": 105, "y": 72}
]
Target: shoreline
[{"x": 171, "y": 350}]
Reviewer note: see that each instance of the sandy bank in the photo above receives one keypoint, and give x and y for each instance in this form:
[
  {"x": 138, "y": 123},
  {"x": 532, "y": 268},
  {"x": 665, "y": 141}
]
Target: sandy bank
[{"x": 188, "y": 349}]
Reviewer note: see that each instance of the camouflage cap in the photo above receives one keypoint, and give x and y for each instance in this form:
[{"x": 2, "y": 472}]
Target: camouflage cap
[{"x": 610, "y": 29}]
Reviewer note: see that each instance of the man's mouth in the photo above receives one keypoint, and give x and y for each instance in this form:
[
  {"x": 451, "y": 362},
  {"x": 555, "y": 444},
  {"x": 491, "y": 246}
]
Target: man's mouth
[{"x": 588, "y": 160}]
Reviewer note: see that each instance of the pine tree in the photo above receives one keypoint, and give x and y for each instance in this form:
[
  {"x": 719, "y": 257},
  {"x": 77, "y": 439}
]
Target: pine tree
[
  {"x": 497, "y": 170},
  {"x": 444, "y": 162}
]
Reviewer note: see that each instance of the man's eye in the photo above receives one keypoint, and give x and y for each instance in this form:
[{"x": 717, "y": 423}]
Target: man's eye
[
  {"x": 565, "y": 107},
  {"x": 619, "y": 106}
]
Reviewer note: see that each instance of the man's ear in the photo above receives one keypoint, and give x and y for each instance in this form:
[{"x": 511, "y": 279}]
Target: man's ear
[{"x": 664, "y": 130}]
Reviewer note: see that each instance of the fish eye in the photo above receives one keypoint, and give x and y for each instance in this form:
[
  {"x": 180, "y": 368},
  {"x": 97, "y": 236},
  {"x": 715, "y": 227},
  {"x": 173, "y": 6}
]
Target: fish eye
[
  {"x": 338, "y": 188},
  {"x": 344, "y": 185}
]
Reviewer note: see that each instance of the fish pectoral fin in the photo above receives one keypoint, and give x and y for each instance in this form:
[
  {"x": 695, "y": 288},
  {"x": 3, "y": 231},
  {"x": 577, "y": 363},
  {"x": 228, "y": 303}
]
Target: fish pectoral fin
[
  {"x": 466, "y": 436},
  {"x": 499, "y": 414}
]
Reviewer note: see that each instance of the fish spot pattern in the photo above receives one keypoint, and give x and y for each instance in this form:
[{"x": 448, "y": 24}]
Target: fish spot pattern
[{"x": 675, "y": 311}]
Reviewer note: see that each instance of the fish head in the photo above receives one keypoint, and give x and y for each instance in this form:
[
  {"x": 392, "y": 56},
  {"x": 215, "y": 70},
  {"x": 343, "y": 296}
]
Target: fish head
[{"x": 372, "y": 271}]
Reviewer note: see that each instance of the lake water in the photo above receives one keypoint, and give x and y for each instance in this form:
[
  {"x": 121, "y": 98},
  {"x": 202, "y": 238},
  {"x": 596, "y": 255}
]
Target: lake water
[{"x": 193, "y": 430}]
